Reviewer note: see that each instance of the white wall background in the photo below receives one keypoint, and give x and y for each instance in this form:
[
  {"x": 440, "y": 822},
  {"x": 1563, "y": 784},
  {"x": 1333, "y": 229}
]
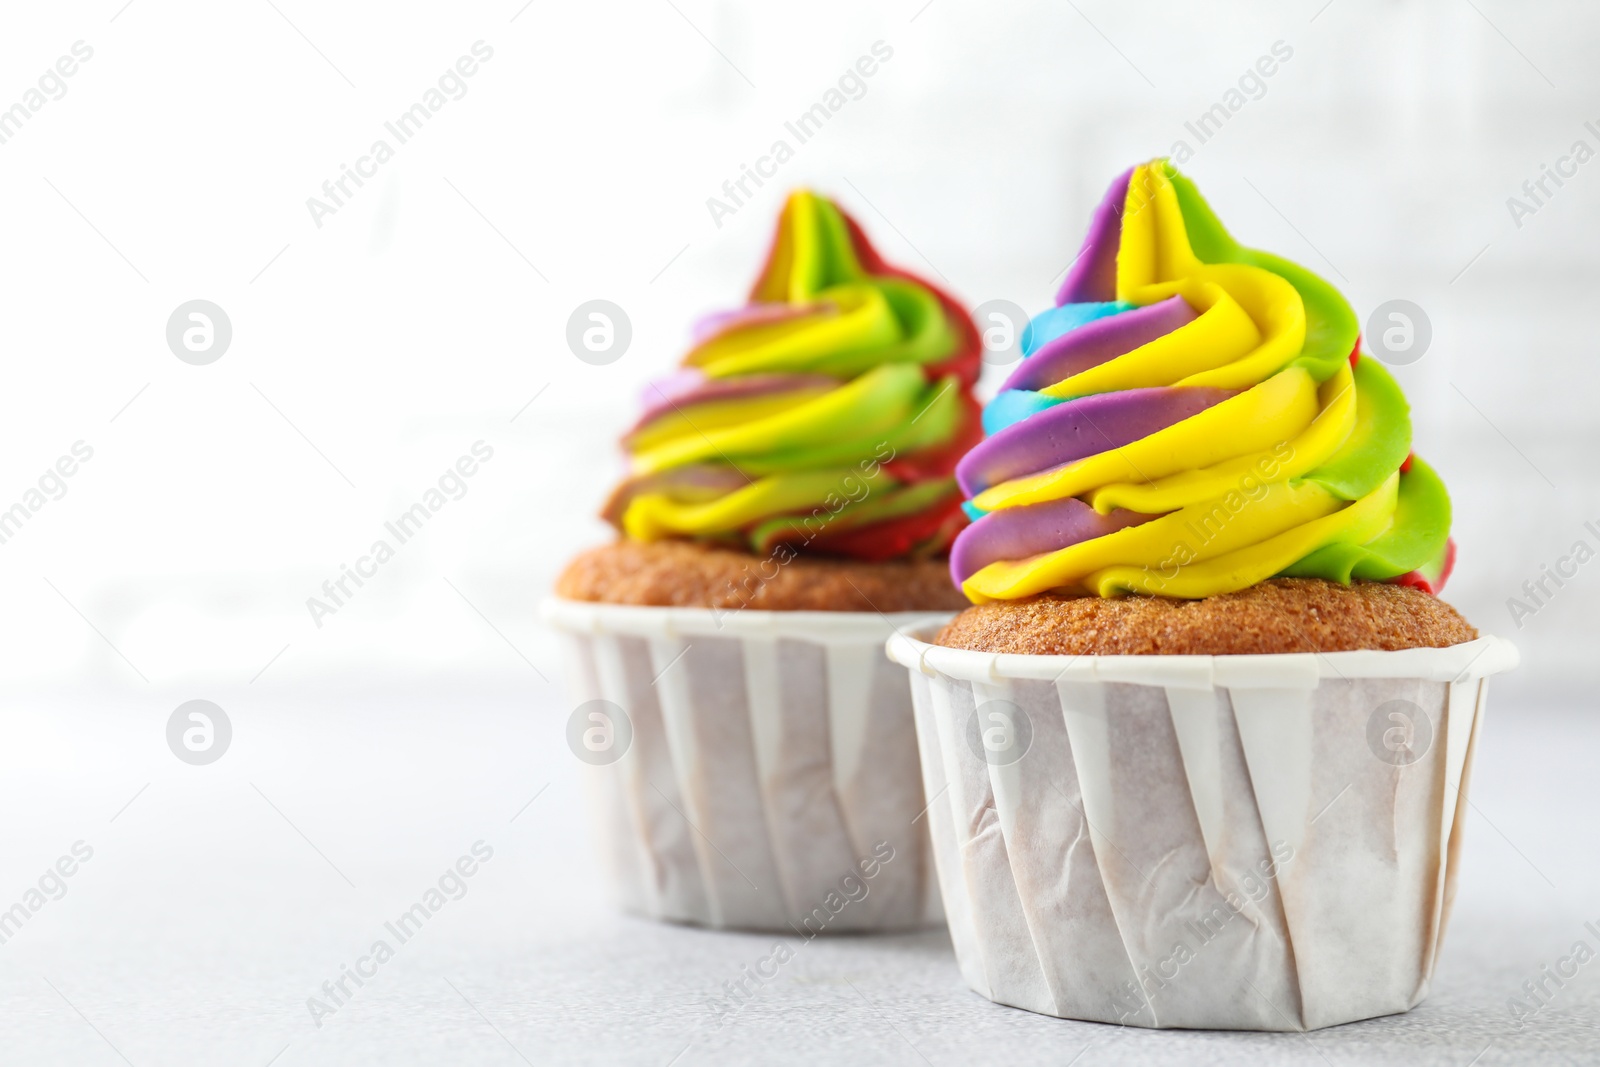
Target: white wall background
[{"x": 427, "y": 313}]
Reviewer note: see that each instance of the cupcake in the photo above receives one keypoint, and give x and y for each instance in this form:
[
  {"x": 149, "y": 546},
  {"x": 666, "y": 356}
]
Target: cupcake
[
  {"x": 790, "y": 500},
  {"x": 1199, "y": 749}
]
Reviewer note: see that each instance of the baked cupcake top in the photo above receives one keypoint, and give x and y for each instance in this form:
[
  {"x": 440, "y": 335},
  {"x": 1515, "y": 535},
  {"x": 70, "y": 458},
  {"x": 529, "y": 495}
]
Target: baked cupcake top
[
  {"x": 1192, "y": 418},
  {"x": 826, "y": 415},
  {"x": 1279, "y": 615}
]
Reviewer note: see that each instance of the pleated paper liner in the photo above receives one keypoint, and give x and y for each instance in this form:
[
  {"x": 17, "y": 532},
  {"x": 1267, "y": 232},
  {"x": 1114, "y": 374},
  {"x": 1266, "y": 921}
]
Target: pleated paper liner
[
  {"x": 762, "y": 773},
  {"x": 1231, "y": 842}
]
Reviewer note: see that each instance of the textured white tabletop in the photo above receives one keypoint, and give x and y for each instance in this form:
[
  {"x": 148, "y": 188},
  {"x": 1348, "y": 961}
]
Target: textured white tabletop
[{"x": 223, "y": 897}]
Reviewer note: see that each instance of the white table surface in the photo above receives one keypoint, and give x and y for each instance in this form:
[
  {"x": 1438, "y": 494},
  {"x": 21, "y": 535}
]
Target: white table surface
[{"x": 221, "y": 897}]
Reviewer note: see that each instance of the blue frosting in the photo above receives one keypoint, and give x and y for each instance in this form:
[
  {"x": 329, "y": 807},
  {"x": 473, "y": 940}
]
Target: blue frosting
[
  {"x": 1014, "y": 405},
  {"x": 1048, "y": 325}
]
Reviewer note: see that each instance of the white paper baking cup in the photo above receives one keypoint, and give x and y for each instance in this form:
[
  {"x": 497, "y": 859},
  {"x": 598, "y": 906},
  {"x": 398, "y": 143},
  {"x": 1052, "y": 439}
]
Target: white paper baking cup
[
  {"x": 1228, "y": 842},
  {"x": 771, "y": 753}
]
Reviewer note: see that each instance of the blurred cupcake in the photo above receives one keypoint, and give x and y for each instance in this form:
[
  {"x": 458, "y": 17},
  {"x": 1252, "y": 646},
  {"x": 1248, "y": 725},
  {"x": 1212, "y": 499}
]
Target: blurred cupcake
[
  {"x": 1199, "y": 750},
  {"x": 790, "y": 500}
]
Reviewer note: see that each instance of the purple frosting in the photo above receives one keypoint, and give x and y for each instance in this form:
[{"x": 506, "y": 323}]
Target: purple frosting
[
  {"x": 1079, "y": 428},
  {"x": 1097, "y": 342},
  {"x": 1092, "y": 278},
  {"x": 1017, "y": 533},
  {"x": 1087, "y": 426}
]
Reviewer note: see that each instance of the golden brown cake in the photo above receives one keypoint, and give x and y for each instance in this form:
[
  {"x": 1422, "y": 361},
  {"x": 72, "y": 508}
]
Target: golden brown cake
[
  {"x": 688, "y": 575},
  {"x": 1279, "y": 615}
]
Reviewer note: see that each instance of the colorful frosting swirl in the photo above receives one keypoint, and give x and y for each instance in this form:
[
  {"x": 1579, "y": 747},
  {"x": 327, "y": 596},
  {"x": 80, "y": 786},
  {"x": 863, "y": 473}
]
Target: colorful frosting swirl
[
  {"x": 1191, "y": 418},
  {"x": 827, "y": 414}
]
